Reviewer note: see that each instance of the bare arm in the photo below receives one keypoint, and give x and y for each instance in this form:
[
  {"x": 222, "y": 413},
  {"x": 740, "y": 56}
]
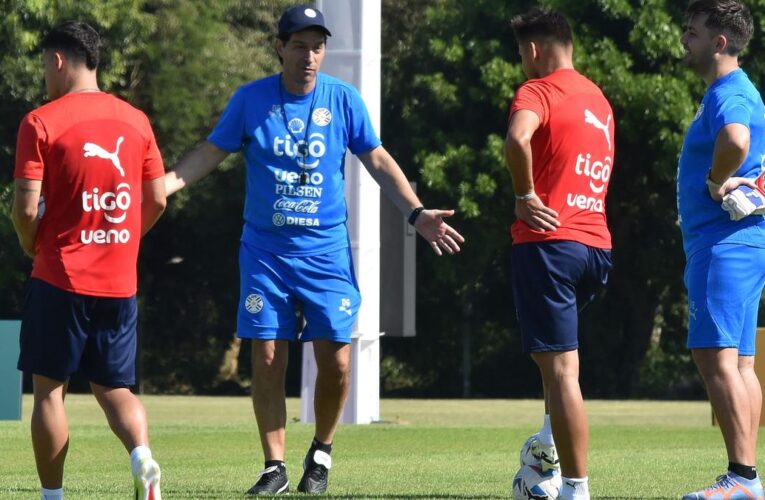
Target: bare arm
[
  {"x": 518, "y": 158},
  {"x": 430, "y": 224},
  {"x": 153, "y": 203},
  {"x": 731, "y": 149},
  {"x": 26, "y": 196},
  {"x": 196, "y": 164}
]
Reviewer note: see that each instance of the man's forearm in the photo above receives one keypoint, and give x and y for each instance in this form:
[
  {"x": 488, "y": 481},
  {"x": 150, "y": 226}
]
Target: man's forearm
[
  {"x": 150, "y": 214},
  {"x": 518, "y": 161},
  {"x": 26, "y": 230},
  {"x": 730, "y": 151},
  {"x": 198, "y": 163},
  {"x": 391, "y": 179},
  {"x": 26, "y": 199}
]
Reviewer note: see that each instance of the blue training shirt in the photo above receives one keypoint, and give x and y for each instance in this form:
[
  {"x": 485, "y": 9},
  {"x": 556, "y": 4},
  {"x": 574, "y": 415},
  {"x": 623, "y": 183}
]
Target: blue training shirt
[
  {"x": 730, "y": 99},
  {"x": 281, "y": 215}
]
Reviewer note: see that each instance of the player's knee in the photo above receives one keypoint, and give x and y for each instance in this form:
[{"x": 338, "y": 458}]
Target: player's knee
[{"x": 337, "y": 369}]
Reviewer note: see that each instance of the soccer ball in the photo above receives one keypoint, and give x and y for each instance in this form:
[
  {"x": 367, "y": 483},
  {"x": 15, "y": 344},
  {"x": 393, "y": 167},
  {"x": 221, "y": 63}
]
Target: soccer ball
[
  {"x": 530, "y": 451},
  {"x": 530, "y": 483}
]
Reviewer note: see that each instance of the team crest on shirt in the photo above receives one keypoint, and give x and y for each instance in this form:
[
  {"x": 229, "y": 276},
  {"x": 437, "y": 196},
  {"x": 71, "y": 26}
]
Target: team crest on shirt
[
  {"x": 275, "y": 111},
  {"x": 322, "y": 117},
  {"x": 253, "y": 303},
  {"x": 699, "y": 112},
  {"x": 296, "y": 125}
]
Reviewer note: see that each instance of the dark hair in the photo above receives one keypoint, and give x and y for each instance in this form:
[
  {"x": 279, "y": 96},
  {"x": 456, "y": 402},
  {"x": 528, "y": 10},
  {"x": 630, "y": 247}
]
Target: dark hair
[
  {"x": 542, "y": 23},
  {"x": 77, "y": 40},
  {"x": 729, "y": 17}
]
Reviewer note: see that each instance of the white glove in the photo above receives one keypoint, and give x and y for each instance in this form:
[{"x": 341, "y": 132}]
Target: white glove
[{"x": 744, "y": 201}]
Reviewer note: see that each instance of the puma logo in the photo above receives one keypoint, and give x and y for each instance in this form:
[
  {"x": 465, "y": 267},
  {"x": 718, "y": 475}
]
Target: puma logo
[
  {"x": 591, "y": 119},
  {"x": 91, "y": 149}
]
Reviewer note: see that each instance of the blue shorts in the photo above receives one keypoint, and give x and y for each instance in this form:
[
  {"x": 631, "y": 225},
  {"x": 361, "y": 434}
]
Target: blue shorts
[
  {"x": 552, "y": 282},
  {"x": 64, "y": 332},
  {"x": 724, "y": 285},
  {"x": 272, "y": 285}
]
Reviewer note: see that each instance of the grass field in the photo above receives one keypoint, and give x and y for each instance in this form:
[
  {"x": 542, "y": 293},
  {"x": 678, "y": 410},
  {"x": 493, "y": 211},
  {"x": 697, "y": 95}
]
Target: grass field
[{"x": 208, "y": 448}]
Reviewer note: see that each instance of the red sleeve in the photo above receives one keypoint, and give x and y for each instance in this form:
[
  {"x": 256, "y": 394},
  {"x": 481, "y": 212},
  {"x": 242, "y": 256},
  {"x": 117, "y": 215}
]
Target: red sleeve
[
  {"x": 30, "y": 147},
  {"x": 153, "y": 167},
  {"x": 531, "y": 96}
]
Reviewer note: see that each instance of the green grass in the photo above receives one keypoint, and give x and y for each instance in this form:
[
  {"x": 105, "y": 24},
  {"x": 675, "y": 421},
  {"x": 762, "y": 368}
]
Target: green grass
[{"x": 209, "y": 448}]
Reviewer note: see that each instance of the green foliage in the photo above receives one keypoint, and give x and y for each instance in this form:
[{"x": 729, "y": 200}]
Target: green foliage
[
  {"x": 179, "y": 61},
  {"x": 631, "y": 49},
  {"x": 450, "y": 70}
]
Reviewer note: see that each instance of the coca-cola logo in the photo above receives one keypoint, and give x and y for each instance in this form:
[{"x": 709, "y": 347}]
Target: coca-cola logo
[{"x": 297, "y": 206}]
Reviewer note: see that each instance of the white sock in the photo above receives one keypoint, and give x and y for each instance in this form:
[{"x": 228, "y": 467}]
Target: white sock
[
  {"x": 138, "y": 454},
  {"x": 57, "y": 494},
  {"x": 574, "y": 488},
  {"x": 545, "y": 433}
]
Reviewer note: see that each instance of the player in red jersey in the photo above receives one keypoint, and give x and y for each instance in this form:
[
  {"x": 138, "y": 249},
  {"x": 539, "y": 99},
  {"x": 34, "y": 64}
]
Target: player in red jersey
[
  {"x": 560, "y": 153},
  {"x": 91, "y": 161}
]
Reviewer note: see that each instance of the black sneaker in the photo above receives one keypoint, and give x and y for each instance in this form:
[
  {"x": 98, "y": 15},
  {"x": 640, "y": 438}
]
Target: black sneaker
[
  {"x": 315, "y": 472},
  {"x": 273, "y": 481}
]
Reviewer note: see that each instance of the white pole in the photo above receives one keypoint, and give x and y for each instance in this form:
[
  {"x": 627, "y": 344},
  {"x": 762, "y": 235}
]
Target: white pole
[{"x": 353, "y": 55}]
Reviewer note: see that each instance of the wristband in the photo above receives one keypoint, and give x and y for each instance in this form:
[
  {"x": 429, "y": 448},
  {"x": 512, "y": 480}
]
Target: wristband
[
  {"x": 525, "y": 197},
  {"x": 710, "y": 182},
  {"x": 413, "y": 216}
]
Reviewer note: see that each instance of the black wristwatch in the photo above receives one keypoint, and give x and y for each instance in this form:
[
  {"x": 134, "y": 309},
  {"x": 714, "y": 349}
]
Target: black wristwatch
[{"x": 413, "y": 216}]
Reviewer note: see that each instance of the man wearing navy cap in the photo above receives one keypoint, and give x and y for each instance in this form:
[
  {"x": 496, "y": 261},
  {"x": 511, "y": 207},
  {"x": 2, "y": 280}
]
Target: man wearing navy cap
[{"x": 294, "y": 129}]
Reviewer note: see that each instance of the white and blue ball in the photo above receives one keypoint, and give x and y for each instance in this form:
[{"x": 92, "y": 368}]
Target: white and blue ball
[{"x": 530, "y": 483}]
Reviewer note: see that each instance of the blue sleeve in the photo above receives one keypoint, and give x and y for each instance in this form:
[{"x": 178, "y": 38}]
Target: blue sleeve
[
  {"x": 361, "y": 134},
  {"x": 228, "y": 133},
  {"x": 734, "y": 109}
]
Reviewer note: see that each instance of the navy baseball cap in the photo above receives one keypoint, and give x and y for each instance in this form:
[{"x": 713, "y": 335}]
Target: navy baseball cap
[{"x": 299, "y": 18}]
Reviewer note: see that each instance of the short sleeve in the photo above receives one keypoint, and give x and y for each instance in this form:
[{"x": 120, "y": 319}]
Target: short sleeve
[
  {"x": 153, "y": 167},
  {"x": 361, "y": 135},
  {"x": 530, "y": 96},
  {"x": 30, "y": 149},
  {"x": 734, "y": 109},
  {"x": 228, "y": 134}
]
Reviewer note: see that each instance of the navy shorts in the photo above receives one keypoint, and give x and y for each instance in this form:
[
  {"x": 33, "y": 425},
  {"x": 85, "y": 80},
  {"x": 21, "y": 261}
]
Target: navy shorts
[
  {"x": 271, "y": 286},
  {"x": 552, "y": 282},
  {"x": 64, "y": 332}
]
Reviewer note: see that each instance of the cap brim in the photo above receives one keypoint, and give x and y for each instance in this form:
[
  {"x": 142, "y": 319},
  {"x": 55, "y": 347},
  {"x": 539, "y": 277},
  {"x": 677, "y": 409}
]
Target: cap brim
[{"x": 303, "y": 27}]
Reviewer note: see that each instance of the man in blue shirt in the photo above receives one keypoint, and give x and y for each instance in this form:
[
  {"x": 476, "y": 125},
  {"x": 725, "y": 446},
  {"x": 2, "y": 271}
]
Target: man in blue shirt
[
  {"x": 294, "y": 129},
  {"x": 725, "y": 271}
]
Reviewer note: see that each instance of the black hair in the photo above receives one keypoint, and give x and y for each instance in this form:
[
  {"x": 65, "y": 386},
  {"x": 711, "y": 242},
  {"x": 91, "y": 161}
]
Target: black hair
[
  {"x": 544, "y": 24},
  {"x": 728, "y": 17},
  {"x": 77, "y": 40}
]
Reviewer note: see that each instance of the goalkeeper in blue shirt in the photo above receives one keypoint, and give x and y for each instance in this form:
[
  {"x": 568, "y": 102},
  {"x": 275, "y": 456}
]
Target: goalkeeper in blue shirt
[{"x": 725, "y": 269}]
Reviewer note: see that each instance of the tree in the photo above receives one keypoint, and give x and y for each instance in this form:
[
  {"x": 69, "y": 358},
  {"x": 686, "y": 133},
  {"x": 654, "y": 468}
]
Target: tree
[
  {"x": 459, "y": 64},
  {"x": 21, "y": 89},
  {"x": 179, "y": 61}
]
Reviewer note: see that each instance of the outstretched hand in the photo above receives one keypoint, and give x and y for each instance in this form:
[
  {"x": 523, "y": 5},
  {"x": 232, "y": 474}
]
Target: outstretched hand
[
  {"x": 536, "y": 214},
  {"x": 440, "y": 235}
]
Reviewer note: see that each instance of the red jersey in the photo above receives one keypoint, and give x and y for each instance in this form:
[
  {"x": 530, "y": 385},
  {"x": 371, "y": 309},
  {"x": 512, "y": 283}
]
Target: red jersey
[
  {"x": 91, "y": 151},
  {"x": 572, "y": 156}
]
